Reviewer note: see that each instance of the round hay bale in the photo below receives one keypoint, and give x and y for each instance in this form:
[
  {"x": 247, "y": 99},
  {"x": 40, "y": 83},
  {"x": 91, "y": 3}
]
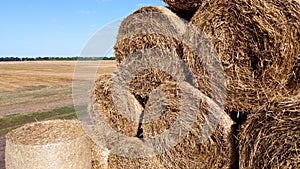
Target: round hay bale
[
  {"x": 157, "y": 28},
  {"x": 257, "y": 42},
  {"x": 148, "y": 27},
  {"x": 270, "y": 137},
  {"x": 103, "y": 104},
  {"x": 198, "y": 149},
  {"x": 191, "y": 5},
  {"x": 59, "y": 144}
]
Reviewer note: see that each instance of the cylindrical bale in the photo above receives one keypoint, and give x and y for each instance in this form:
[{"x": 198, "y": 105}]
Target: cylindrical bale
[
  {"x": 148, "y": 28},
  {"x": 156, "y": 28},
  {"x": 58, "y": 144},
  {"x": 207, "y": 142},
  {"x": 105, "y": 105},
  {"x": 257, "y": 42},
  {"x": 270, "y": 137},
  {"x": 191, "y": 5}
]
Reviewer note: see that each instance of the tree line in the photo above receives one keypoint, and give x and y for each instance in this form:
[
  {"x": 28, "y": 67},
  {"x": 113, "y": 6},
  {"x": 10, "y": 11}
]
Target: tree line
[{"x": 9, "y": 59}]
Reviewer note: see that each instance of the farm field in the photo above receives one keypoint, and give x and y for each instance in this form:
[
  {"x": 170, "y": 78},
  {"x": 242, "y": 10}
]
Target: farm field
[{"x": 37, "y": 90}]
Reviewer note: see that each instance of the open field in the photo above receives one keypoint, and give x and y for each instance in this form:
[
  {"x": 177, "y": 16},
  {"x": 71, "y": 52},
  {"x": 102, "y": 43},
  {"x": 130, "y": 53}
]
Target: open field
[
  {"x": 36, "y": 91},
  {"x": 40, "y": 85}
]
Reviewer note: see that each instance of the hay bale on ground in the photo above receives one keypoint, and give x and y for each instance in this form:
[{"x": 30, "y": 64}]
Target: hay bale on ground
[
  {"x": 59, "y": 144},
  {"x": 103, "y": 106},
  {"x": 270, "y": 137},
  {"x": 191, "y": 5},
  {"x": 214, "y": 151},
  {"x": 257, "y": 42}
]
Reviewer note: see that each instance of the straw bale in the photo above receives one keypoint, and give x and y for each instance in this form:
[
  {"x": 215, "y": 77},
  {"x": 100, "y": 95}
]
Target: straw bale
[
  {"x": 270, "y": 137},
  {"x": 257, "y": 42},
  {"x": 58, "y": 144},
  {"x": 103, "y": 106},
  {"x": 156, "y": 28},
  {"x": 191, "y": 5},
  {"x": 197, "y": 148},
  {"x": 148, "y": 27}
]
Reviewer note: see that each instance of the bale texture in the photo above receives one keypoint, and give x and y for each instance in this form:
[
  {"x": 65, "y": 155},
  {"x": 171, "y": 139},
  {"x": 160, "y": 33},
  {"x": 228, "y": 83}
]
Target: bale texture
[
  {"x": 270, "y": 137},
  {"x": 103, "y": 106},
  {"x": 294, "y": 82},
  {"x": 191, "y": 151},
  {"x": 162, "y": 109},
  {"x": 59, "y": 144},
  {"x": 191, "y": 5},
  {"x": 119, "y": 162},
  {"x": 257, "y": 42},
  {"x": 156, "y": 28},
  {"x": 99, "y": 155},
  {"x": 148, "y": 27}
]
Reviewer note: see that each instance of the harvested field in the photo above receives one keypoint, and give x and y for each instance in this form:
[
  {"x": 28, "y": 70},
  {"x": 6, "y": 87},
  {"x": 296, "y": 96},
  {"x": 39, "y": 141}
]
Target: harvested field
[{"x": 39, "y": 85}]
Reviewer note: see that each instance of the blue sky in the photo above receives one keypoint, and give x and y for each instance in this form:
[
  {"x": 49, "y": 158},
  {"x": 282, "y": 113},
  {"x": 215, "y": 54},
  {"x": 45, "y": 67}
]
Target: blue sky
[{"x": 57, "y": 27}]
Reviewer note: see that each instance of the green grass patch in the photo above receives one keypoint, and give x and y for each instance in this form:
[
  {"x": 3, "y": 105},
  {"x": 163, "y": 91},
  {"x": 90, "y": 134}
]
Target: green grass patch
[
  {"x": 10, "y": 122},
  {"x": 33, "y": 88}
]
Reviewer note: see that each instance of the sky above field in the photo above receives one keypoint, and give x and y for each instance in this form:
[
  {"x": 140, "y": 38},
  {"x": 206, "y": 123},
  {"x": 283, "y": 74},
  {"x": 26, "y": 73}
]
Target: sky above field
[{"x": 32, "y": 28}]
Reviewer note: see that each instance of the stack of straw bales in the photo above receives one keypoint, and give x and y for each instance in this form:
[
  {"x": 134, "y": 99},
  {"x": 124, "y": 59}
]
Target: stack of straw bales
[
  {"x": 257, "y": 45},
  {"x": 270, "y": 137},
  {"x": 48, "y": 145},
  {"x": 257, "y": 42}
]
